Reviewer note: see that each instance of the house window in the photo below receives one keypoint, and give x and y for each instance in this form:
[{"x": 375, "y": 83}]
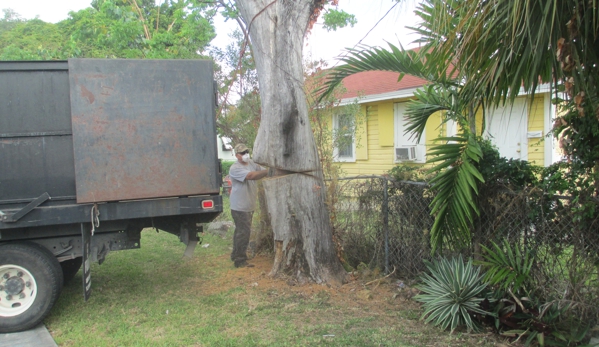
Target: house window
[
  {"x": 344, "y": 137},
  {"x": 407, "y": 149}
]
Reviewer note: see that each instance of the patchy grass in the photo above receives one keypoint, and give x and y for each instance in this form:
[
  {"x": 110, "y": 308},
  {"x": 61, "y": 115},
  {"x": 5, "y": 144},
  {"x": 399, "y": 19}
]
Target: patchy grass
[{"x": 155, "y": 297}]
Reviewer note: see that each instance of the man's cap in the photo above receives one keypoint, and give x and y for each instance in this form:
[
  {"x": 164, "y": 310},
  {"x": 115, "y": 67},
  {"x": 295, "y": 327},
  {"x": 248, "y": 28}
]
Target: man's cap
[{"x": 240, "y": 148}]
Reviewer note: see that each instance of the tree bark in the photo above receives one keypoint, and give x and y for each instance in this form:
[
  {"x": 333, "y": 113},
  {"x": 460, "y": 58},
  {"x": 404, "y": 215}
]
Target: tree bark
[{"x": 296, "y": 195}]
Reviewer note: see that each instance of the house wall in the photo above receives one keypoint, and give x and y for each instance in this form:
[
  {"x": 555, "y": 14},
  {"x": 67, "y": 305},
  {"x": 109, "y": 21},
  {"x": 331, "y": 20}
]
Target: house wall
[
  {"x": 536, "y": 122},
  {"x": 375, "y": 149}
]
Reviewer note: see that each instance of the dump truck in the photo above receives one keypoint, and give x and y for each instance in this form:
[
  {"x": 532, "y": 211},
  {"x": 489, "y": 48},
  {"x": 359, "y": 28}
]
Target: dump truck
[{"x": 92, "y": 151}]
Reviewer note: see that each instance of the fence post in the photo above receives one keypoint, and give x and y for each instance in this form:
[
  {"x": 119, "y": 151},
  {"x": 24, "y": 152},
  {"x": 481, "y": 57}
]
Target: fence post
[{"x": 386, "y": 222}]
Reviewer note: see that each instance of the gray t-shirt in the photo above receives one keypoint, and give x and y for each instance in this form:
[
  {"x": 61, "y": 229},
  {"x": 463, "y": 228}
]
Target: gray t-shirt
[{"x": 243, "y": 192}]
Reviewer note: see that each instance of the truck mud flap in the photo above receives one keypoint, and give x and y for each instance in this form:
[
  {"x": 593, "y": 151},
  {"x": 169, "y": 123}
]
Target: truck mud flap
[{"x": 86, "y": 236}]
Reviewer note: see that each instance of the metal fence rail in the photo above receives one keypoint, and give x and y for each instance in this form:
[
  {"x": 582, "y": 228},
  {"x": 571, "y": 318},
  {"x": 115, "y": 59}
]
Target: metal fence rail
[{"x": 385, "y": 224}]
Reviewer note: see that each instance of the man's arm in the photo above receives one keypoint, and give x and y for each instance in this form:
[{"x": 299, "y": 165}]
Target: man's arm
[{"x": 256, "y": 175}]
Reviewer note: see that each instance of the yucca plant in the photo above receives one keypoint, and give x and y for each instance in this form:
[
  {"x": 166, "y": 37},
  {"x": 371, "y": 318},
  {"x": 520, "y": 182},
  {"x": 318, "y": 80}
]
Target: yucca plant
[{"x": 452, "y": 294}]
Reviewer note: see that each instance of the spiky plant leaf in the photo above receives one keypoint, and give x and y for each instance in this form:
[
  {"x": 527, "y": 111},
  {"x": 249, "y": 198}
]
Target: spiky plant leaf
[
  {"x": 507, "y": 266},
  {"x": 451, "y": 293}
]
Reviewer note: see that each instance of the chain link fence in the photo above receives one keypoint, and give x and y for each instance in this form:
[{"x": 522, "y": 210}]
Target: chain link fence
[{"x": 385, "y": 224}]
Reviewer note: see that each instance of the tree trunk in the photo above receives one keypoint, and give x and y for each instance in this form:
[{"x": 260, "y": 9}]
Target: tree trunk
[{"x": 296, "y": 195}]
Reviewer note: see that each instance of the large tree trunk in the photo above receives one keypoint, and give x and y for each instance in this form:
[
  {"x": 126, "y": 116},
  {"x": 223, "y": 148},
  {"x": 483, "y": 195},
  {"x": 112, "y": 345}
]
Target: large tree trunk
[{"x": 296, "y": 195}]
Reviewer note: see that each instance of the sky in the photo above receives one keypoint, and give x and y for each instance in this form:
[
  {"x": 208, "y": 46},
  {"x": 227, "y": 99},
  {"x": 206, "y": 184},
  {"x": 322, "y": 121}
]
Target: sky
[{"x": 379, "y": 21}]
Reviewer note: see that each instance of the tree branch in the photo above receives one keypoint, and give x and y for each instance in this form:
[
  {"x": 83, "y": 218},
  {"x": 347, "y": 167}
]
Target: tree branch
[{"x": 141, "y": 18}]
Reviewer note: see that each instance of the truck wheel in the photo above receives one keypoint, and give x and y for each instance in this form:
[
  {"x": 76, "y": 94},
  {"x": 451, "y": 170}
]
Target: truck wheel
[
  {"x": 30, "y": 282},
  {"x": 70, "y": 268}
]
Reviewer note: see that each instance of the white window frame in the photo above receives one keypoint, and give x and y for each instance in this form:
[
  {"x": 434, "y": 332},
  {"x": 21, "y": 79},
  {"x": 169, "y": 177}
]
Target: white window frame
[
  {"x": 403, "y": 140},
  {"x": 452, "y": 128},
  {"x": 337, "y": 157}
]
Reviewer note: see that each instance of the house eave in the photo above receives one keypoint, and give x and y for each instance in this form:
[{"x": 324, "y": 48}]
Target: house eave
[
  {"x": 409, "y": 92},
  {"x": 398, "y": 94}
]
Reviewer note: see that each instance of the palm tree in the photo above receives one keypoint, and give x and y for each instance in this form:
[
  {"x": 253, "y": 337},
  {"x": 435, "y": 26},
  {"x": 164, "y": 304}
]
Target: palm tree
[{"x": 478, "y": 54}]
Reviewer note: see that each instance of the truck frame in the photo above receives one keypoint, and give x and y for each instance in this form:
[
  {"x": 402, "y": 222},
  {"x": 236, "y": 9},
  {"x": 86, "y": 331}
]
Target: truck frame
[{"x": 92, "y": 151}]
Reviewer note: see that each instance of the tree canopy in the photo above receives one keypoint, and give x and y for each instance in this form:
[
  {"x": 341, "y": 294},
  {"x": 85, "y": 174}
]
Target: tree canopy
[{"x": 175, "y": 29}]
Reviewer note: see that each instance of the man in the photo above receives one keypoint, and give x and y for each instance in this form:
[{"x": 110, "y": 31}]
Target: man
[{"x": 243, "y": 173}]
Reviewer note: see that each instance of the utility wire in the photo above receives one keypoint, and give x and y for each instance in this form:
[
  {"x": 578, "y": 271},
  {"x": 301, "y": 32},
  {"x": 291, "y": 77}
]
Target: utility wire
[{"x": 369, "y": 31}]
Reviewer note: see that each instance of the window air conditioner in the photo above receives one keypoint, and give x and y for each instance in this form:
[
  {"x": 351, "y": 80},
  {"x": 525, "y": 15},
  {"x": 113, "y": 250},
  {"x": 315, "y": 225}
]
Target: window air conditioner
[{"x": 407, "y": 153}]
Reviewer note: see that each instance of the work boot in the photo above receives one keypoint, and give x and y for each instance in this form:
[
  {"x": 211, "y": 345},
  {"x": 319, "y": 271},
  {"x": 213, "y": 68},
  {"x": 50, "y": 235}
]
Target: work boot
[{"x": 243, "y": 263}]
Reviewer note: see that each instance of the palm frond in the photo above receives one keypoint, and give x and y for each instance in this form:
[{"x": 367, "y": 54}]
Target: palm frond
[
  {"x": 429, "y": 100},
  {"x": 455, "y": 188}
]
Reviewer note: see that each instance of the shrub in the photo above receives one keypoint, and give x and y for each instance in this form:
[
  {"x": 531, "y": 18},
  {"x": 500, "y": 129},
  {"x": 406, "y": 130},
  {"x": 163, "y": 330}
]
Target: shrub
[
  {"x": 452, "y": 294},
  {"x": 226, "y": 165},
  {"x": 519, "y": 311}
]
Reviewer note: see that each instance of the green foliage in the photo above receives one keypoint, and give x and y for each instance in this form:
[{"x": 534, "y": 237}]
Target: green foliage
[
  {"x": 31, "y": 40},
  {"x": 403, "y": 172},
  {"x": 124, "y": 29},
  {"x": 113, "y": 29},
  {"x": 537, "y": 324},
  {"x": 455, "y": 184},
  {"x": 10, "y": 20},
  {"x": 519, "y": 312},
  {"x": 507, "y": 267},
  {"x": 500, "y": 171},
  {"x": 335, "y": 19},
  {"x": 578, "y": 181},
  {"x": 541, "y": 325},
  {"x": 226, "y": 165},
  {"x": 453, "y": 293},
  {"x": 241, "y": 122},
  {"x": 238, "y": 80}
]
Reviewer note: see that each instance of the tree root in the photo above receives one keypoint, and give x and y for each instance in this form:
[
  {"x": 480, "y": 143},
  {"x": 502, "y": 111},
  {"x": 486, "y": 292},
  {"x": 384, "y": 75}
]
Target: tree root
[{"x": 378, "y": 280}]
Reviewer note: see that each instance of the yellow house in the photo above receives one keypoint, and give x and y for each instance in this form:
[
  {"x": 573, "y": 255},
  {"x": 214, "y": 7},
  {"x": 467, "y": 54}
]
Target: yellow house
[{"x": 519, "y": 131}]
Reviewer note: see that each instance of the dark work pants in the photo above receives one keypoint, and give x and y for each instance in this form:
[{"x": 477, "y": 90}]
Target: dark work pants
[{"x": 241, "y": 237}]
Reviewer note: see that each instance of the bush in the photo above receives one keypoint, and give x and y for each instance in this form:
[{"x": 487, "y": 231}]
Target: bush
[
  {"x": 226, "y": 165},
  {"x": 519, "y": 311},
  {"x": 452, "y": 294}
]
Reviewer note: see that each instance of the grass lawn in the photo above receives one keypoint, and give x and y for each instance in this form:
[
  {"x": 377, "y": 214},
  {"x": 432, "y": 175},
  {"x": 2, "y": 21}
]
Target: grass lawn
[{"x": 154, "y": 297}]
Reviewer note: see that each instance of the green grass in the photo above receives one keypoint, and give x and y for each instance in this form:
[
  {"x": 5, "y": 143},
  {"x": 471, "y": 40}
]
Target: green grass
[{"x": 154, "y": 297}]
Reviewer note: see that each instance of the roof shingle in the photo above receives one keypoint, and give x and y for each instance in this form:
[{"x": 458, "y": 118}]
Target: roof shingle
[{"x": 377, "y": 82}]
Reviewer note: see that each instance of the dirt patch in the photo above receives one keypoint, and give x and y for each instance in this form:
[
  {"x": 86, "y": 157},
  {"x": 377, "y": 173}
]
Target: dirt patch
[
  {"x": 386, "y": 300},
  {"x": 381, "y": 294}
]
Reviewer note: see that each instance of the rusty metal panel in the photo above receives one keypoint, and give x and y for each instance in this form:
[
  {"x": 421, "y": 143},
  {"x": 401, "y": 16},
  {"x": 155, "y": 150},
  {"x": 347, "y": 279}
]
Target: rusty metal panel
[{"x": 143, "y": 128}]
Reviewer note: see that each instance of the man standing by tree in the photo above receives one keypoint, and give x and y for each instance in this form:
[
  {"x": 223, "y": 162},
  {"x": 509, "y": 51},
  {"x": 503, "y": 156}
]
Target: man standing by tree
[{"x": 243, "y": 175}]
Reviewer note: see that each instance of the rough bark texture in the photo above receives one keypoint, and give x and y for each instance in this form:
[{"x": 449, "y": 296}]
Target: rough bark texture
[{"x": 296, "y": 198}]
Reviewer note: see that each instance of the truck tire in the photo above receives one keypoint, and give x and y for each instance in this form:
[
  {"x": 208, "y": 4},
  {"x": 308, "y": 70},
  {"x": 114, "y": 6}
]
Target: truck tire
[
  {"x": 31, "y": 280},
  {"x": 70, "y": 268}
]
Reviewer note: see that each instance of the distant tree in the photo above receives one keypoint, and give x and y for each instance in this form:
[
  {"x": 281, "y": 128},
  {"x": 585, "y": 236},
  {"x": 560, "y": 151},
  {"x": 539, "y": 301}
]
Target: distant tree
[
  {"x": 29, "y": 40},
  {"x": 179, "y": 29},
  {"x": 10, "y": 20},
  {"x": 239, "y": 98},
  {"x": 174, "y": 29}
]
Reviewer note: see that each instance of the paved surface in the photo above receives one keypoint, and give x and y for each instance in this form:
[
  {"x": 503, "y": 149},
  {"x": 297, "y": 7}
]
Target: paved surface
[{"x": 37, "y": 337}]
